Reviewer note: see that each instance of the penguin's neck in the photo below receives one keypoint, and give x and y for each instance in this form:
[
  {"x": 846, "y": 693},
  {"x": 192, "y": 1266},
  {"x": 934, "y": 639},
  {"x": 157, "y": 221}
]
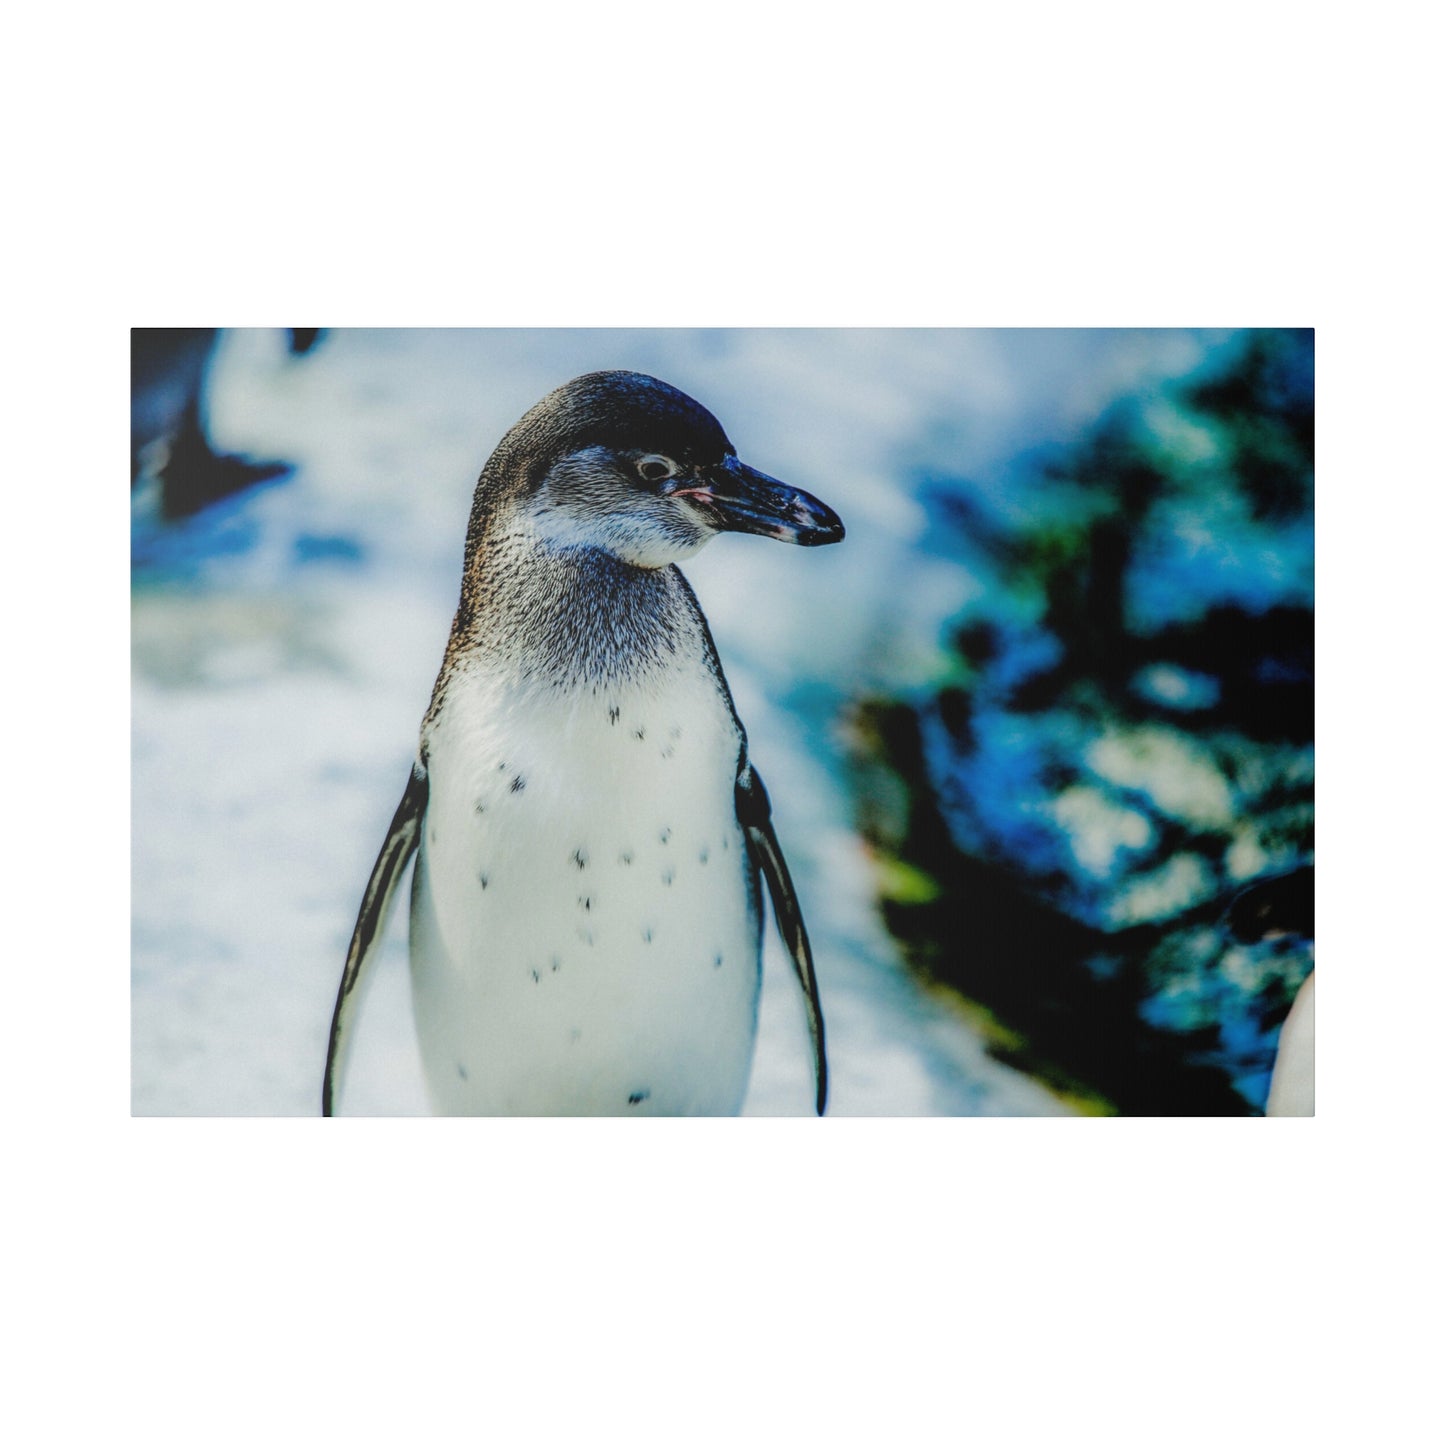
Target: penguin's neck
[{"x": 569, "y": 616}]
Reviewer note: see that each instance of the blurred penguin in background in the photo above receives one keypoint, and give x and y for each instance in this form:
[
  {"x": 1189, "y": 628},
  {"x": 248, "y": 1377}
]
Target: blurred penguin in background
[
  {"x": 1276, "y": 908},
  {"x": 169, "y": 444}
]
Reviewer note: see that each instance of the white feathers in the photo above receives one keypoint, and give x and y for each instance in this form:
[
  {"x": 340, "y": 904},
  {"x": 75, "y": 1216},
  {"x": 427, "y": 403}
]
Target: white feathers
[
  {"x": 586, "y": 502},
  {"x": 585, "y": 933}
]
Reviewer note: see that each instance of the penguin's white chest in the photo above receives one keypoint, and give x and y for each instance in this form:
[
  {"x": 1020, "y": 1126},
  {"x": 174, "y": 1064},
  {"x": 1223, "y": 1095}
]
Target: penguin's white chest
[{"x": 585, "y": 924}]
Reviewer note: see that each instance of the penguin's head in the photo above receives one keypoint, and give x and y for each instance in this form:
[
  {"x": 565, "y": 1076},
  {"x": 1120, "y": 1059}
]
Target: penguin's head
[
  {"x": 627, "y": 463},
  {"x": 1274, "y": 908}
]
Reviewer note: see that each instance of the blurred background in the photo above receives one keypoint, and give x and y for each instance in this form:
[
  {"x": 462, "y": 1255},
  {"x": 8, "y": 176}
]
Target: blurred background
[{"x": 1028, "y": 731}]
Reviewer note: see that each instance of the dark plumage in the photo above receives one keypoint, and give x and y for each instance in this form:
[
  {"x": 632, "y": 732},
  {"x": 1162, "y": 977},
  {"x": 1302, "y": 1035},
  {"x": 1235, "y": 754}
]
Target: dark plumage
[{"x": 1275, "y": 906}]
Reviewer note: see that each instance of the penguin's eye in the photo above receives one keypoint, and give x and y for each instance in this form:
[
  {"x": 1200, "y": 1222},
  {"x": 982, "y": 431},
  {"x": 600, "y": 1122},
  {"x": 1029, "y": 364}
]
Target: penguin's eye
[{"x": 656, "y": 469}]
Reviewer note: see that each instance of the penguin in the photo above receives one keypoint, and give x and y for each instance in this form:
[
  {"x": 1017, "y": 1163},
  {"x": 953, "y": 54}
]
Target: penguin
[
  {"x": 169, "y": 432},
  {"x": 591, "y": 836},
  {"x": 1276, "y": 908}
]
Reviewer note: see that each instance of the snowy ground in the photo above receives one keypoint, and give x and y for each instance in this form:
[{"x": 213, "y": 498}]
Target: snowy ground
[{"x": 284, "y": 654}]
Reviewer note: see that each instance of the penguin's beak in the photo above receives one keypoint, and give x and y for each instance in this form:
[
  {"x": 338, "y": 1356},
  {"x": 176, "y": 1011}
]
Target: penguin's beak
[{"x": 739, "y": 499}]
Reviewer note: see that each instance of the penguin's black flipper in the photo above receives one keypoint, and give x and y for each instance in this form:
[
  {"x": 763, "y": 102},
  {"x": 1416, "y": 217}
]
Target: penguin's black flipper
[
  {"x": 401, "y": 841},
  {"x": 755, "y": 813}
]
